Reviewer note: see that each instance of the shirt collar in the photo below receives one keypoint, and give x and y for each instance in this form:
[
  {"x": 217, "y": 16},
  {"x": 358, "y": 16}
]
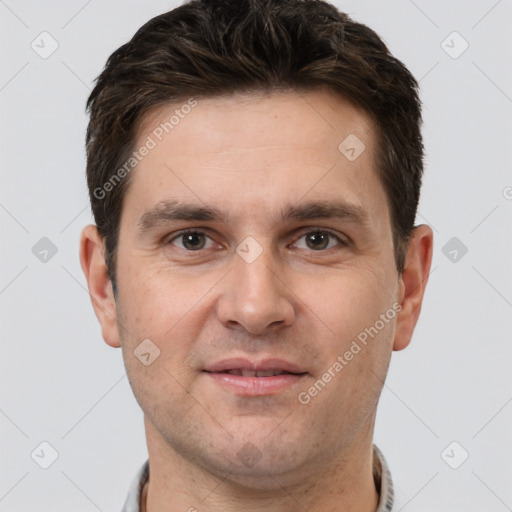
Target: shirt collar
[
  {"x": 132, "y": 503},
  {"x": 381, "y": 475},
  {"x": 383, "y": 481}
]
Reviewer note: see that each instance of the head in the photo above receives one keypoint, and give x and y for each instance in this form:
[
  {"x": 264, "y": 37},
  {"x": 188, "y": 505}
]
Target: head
[{"x": 285, "y": 139}]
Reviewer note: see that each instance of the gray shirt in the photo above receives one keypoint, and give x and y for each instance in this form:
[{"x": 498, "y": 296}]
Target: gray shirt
[{"x": 381, "y": 475}]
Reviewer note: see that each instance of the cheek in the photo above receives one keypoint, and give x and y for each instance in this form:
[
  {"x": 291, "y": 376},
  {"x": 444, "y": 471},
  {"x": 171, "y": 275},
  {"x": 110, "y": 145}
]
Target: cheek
[
  {"x": 350, "y": 303},
  {"x": 156, "y": 301},
  {"x": 357, "y": 346},
  {"x": 170, "y": 311},
  {"x": 357, "y": 350},
  {"x": 156, "y": 338}
]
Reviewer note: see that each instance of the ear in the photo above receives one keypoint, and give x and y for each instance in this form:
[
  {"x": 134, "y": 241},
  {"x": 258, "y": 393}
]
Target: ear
[
  {"x": 412, "y": 284},
  {"x": 92, "y": 259}
]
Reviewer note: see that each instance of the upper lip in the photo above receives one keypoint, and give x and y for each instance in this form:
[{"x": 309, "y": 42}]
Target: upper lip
[{"x": 263, "y": 365}]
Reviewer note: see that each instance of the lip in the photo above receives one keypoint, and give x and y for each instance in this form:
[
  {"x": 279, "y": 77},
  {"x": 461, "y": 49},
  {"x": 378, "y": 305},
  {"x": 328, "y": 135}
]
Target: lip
[
  {"x": 255, "y": 386},
  {"x": 263, "y": 365}
]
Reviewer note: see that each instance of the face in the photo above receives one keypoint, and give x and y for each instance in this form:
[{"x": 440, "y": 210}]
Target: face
[{"x": 257, "y": 258}]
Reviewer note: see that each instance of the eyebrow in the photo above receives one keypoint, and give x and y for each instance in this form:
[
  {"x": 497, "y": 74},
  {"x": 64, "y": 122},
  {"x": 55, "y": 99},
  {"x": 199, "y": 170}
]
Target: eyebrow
[
  {"x": 169, "y": 211},
  {"x": 326, "y": 210}
]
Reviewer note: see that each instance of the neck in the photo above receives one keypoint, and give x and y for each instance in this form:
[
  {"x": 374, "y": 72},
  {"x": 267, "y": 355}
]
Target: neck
[{"x": 344, "y": 484}]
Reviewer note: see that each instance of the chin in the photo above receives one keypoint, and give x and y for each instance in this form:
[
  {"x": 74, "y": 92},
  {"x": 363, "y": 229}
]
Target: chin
[
  {"x": 257, "y": 460},
  {"x": 267, "y": 474}
]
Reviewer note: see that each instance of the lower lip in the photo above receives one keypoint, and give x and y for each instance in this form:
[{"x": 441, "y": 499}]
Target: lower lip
[{"x": 256, "y": 386}]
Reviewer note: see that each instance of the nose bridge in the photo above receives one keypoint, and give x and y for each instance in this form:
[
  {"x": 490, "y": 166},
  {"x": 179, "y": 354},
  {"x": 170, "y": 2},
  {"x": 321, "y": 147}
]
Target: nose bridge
[
  {"x": 255, "y": 270},
  {"x": 254, "y": 296}
]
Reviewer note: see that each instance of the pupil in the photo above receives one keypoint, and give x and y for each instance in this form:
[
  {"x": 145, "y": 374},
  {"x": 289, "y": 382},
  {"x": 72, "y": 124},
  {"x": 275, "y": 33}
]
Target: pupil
[
  {"x": 191, "y": 240},
  {"x": 318, "y": 237}
]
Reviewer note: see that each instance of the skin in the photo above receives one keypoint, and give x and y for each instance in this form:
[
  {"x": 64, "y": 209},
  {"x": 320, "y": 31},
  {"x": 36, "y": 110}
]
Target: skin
[{"x": 250, "y": 155}]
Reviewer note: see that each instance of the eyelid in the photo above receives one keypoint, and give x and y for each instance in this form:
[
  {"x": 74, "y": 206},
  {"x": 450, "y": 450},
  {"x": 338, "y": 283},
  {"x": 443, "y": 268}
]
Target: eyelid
[
  {"x": 319, "y": 229},
  {"x": 179, "y": 234},
  {"x": 298, "y": 234}
]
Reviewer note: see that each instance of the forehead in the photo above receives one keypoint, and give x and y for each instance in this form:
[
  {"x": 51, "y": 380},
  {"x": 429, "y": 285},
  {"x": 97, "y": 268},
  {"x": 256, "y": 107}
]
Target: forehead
[
  {"x": 310, "y": 116},
  {"x": 242, "y": 150}
]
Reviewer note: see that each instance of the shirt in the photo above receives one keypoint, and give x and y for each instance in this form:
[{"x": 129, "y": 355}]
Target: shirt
[{"x": 381, "y": 476}]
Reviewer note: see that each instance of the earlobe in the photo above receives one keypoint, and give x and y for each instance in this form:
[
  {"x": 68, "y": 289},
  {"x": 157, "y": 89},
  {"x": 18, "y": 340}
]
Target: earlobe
[
  {"x": 413, "y": 281},
  {"x": 92, "y": 259}
]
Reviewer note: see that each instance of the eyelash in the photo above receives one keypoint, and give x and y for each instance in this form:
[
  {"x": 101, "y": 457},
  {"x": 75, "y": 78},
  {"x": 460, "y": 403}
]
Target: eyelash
[{"x": 341, "y": 242}]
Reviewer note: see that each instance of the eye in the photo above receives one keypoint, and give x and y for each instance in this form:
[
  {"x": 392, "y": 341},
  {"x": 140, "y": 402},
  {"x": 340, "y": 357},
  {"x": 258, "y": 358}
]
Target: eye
[
  {"x": 191, "y": 241},
  {"x": 319, "y": 240}
]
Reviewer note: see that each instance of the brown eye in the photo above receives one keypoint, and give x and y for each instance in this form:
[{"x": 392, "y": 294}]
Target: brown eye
[
  {"x": 318, "y": 240},
  {"x": 190, "y": 240}
]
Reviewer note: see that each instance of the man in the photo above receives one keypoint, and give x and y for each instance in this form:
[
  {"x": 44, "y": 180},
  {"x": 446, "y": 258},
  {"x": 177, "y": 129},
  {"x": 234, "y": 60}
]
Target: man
[{"x": 254, "y": 170}]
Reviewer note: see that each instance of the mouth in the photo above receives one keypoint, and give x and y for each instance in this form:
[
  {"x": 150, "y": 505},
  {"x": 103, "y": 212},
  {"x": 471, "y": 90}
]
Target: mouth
[
  {"x": 245, "y": 378},
  {"x": 242, "y": 372}
]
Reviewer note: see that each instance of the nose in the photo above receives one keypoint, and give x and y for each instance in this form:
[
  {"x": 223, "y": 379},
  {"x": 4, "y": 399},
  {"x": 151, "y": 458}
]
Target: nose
[{"x": 255, "y": 297}]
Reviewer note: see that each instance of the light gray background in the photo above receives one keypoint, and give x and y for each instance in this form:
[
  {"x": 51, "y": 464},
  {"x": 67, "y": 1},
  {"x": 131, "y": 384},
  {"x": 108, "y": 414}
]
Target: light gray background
[{"x": 62, "y": 384}]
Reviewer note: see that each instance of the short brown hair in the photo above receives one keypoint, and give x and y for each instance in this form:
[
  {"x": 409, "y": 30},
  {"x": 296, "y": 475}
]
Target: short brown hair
[{"x": 207, "y": 48}]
